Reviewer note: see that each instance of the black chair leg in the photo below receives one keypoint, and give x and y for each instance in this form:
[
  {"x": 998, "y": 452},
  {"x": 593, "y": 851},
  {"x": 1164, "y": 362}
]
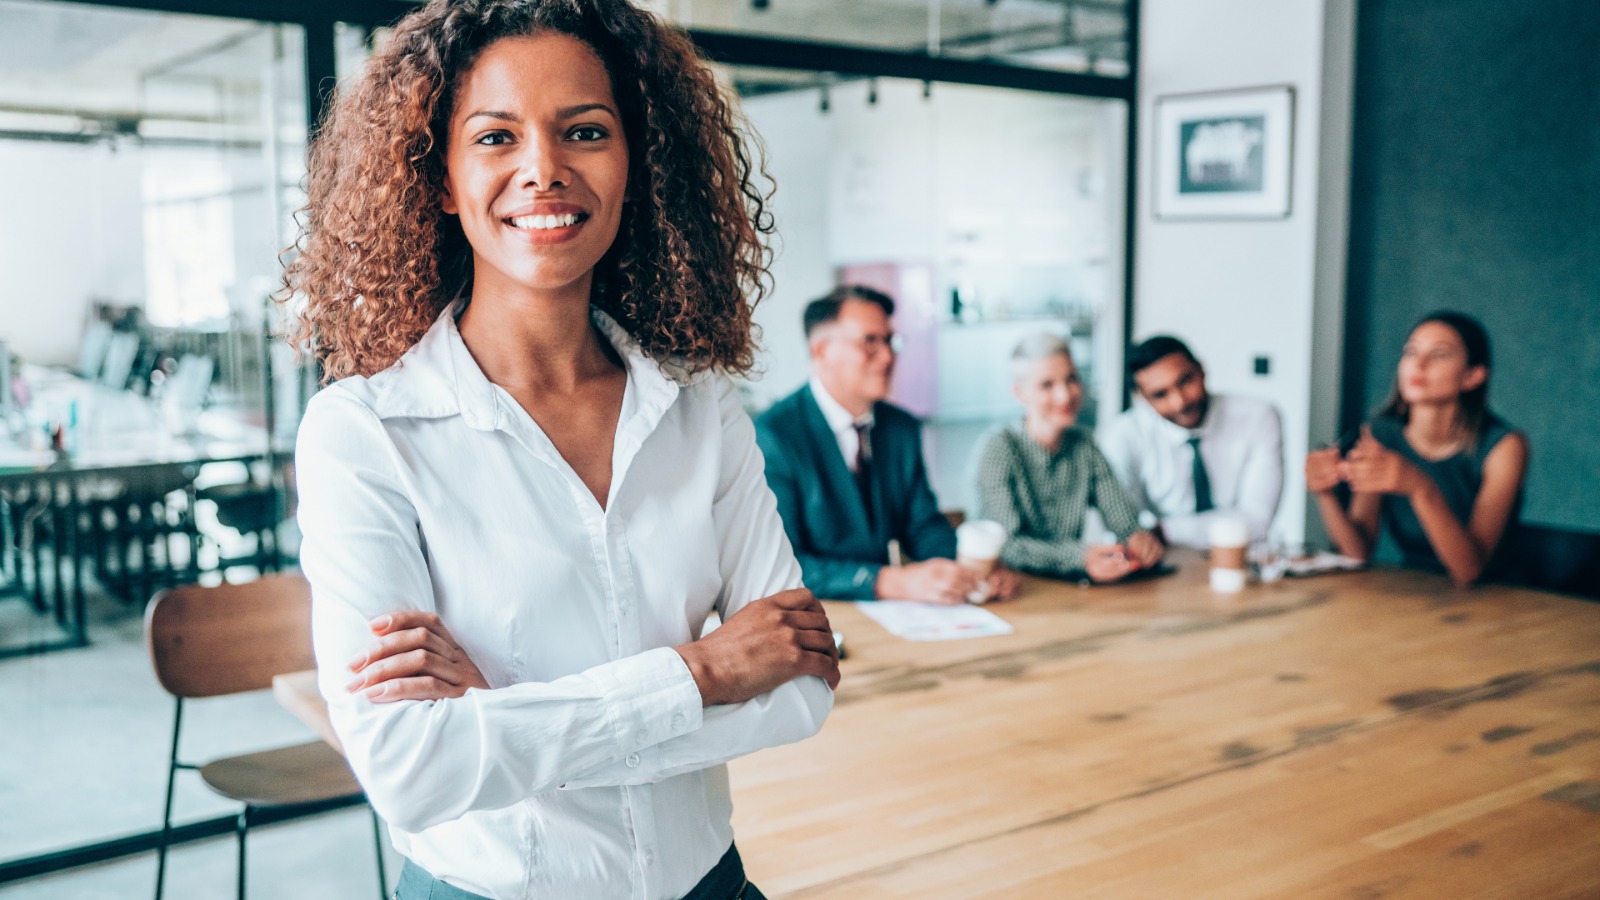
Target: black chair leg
[
  {"x": 377, "y": 837},
  {"x": 166, "y": 815},
  {"x": 242, "y": 827}
]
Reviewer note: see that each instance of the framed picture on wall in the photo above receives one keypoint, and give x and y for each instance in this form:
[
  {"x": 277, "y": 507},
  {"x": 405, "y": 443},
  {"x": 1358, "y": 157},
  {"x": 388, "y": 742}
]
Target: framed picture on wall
[{"x": 1224, "y": 154}]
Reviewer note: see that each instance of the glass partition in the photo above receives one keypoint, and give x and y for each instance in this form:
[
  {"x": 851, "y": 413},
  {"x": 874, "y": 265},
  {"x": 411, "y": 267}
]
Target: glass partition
[
  {"x": 988, "y": 214},
  {"x": 150, "y": 164}
]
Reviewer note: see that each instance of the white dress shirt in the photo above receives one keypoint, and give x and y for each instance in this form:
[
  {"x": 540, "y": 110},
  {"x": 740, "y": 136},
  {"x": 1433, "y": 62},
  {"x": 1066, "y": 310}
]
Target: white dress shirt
[
  {"x": 1241, "y": 444},
  {"x": 589, "y": 769},
  {"x": 841, "y": 423}
]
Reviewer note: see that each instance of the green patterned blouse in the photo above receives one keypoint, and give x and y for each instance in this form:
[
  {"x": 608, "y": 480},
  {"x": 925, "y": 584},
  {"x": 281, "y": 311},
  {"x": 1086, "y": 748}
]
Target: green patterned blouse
[{"x": 1041, "y": 497}]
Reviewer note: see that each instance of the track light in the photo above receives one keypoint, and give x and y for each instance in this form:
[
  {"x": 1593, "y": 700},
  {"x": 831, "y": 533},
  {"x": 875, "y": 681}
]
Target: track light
[
  {"x": 872, "y": 92},
  {"x": 822, "y": 103}
]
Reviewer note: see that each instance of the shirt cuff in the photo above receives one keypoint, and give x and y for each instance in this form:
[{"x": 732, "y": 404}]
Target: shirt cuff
[
  {"x": 652, "y": 697},
  {"x": 865, "y": 582}
]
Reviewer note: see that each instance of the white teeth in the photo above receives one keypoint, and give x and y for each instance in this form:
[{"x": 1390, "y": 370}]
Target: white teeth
[{"x": 544, "y": 223}]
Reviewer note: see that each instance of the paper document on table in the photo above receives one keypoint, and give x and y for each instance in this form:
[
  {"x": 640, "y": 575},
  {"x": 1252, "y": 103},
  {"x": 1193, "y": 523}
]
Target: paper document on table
[{"x": 929, "y": 622}]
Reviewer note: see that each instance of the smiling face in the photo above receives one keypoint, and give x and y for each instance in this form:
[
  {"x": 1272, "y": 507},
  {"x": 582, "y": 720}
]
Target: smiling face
[
  {"x": 536, "y": 165},
  {"x": 1051, "y": 392},
  {"x": 854, "y": 355},
  {"x": 1433, "y": 366},
  {"x": 1175, "y": 387}
]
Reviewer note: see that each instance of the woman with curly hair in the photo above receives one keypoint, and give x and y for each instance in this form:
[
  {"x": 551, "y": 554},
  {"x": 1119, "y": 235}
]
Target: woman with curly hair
[{"x": 530, "y": 236}]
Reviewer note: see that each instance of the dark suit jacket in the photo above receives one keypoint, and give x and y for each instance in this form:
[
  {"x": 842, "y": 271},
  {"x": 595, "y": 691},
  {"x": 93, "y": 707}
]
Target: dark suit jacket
[{"x": 839, "y": 547}]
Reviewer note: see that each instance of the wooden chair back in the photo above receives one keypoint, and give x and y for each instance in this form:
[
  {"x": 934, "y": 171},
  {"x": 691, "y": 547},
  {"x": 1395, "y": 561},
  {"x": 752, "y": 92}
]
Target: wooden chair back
[{"x": 211, "y": 641}]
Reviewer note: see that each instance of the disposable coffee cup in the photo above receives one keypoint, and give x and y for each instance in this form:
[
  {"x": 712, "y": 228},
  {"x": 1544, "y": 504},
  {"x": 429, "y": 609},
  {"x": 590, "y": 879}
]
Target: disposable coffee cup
[
  {"x": 1230, "y": 540},
  {"x": 978, "y": 544}
]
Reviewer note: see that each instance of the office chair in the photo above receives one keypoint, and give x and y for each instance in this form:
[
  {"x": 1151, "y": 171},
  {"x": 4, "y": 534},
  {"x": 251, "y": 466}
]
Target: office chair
[{"x": 229, "y": 639}]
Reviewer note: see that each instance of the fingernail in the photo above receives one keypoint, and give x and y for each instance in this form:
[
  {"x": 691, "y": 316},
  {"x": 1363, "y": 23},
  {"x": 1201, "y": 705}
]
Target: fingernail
[
  {"x": 354, "y": 683},
  {"x": 357, "y": 661},
  {"x": 377, "y": 691},
  {"x": 380, "y": 623}
]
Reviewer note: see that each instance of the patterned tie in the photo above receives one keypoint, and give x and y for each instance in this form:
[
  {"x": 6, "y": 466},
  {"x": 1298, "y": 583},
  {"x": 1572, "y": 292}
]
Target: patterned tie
[
  {"x": 864, "y": 465},
  {"x": 1202, "y": 481}
]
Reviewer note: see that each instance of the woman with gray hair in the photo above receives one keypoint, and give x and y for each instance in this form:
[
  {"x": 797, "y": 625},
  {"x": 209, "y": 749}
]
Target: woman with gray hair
[{"x": 1039, "y": 477}]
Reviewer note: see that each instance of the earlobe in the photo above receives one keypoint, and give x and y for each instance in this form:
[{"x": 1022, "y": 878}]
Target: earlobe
[
  {"x": 447, "y": 202},
  {"x": 1475, "y": 378}
]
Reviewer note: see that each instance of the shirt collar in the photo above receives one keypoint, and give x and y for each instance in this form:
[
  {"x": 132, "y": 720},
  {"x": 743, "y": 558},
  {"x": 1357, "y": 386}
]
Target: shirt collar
[
  {"x": 833, "y": 412},
  {"x": 438, "y": 377}
]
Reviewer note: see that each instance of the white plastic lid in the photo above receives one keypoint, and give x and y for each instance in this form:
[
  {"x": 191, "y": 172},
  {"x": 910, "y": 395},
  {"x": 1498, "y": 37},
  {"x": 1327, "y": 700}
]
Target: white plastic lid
[
  {"x": 1229, "y": 531},
  {"x": 980, "y": 539}
]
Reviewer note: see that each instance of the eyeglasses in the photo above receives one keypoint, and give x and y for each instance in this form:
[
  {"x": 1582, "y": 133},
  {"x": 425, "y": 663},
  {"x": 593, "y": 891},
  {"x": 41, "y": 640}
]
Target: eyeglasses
[{"x": 873, "y": 344}]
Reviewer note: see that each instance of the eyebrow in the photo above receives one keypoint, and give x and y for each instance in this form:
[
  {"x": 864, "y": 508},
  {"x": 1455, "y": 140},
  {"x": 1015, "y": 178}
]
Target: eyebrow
[{"x": 563, "y": 113}]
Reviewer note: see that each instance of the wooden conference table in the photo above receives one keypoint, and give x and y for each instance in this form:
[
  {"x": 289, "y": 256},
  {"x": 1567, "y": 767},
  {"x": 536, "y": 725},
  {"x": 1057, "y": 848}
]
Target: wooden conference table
[{"x": 1372, "y": 734}]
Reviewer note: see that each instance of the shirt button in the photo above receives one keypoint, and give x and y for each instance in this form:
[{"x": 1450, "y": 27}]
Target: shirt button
[
  {"x": 632, "y": 760},
  {"x": 678, "y": 721},
  {"x": 649, "y": 858}
]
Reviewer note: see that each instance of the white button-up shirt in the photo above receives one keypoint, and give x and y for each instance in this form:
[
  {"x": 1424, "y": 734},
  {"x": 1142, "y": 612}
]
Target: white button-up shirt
[
  {"x": 589, "y": 769},
  {"x": 841, "y": 423},
  {"x": 1241, "y": 443}
]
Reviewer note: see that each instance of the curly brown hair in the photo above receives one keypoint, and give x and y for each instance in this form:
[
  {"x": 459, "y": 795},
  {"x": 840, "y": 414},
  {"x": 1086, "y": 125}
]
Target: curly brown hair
[{"x": 378, "y": 260}]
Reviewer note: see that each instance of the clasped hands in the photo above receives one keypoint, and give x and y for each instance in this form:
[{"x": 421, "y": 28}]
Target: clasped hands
[
  {"x": 946, "y": 582},
  {"x": 1369, "y": 468},
  {"x": 1110, "y": 562},
  {"x": 766, "y": 643}
]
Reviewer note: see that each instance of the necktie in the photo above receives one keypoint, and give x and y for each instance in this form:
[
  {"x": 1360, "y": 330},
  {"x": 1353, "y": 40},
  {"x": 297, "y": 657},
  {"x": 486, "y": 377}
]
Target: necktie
[
  {"x": 864, "y": 465},
  {"x": 1202, "y": 481}
]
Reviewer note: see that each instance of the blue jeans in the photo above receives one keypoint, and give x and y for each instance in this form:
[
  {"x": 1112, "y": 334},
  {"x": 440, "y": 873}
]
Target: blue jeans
[{"x": 725, "y": 881}]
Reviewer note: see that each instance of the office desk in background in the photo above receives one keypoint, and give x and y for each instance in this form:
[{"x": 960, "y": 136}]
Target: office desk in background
[
  {"x": 125, "y": 449},
  {"x": 1370, "y": 734}
]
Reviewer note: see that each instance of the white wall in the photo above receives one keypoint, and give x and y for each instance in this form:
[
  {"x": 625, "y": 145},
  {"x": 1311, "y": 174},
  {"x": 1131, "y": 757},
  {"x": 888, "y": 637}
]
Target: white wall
[
  {"x": 1242, "y": 289},
  {"x": 797, "y": 137},
  {"x": 69, "y": 233},
  {"x": 1010, "y": 190}
]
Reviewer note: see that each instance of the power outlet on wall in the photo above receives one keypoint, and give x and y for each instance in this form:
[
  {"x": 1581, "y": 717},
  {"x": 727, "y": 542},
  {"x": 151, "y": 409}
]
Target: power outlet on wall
[{"x": 1263, "y": 365}]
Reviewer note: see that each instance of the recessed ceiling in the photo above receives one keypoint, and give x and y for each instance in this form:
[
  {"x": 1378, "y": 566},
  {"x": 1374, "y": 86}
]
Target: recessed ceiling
[{"x": 114, "y": 68}]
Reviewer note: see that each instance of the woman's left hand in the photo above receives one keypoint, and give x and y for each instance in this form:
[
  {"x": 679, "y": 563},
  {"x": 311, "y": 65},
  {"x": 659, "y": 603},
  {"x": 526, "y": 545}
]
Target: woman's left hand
[
  {"x": 1371, "y": 468},
  {"x": 414, "y": 658},
  {"x": 1145, "y": 549}
]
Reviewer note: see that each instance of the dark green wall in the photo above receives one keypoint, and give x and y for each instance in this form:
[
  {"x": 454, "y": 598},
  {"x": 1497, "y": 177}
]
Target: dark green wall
[{"x": 1475, "y": 185}]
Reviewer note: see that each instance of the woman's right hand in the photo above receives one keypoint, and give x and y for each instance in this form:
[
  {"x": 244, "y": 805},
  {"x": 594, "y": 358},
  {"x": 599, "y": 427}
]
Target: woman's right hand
[
  {"x": 1107, "y": 562},
  {"x": 1322, "y": 470},
  {"x": 767, "y": 643},
  {"x": 415, "y": 657}
]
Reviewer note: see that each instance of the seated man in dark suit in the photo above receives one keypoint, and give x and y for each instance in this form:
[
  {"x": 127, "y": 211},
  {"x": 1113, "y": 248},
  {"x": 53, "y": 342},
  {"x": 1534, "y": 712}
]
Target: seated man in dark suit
[{"x": 847, "y": 469}]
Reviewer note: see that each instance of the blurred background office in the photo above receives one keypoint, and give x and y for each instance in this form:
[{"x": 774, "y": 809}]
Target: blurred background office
[{"x": 990, "y": 163}]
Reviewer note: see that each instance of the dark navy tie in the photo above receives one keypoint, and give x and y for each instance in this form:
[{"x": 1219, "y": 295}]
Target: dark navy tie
[
  {"x": 1202, "y": 481},
  {"x": 864, "y": 465}
]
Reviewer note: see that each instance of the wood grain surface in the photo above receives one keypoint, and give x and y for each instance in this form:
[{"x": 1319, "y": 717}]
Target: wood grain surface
[{"x": 1358, "y": 735}]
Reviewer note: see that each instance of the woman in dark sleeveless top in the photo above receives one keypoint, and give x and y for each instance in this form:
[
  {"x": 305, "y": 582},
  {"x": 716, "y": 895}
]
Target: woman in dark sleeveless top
[{"x": 1435, "y": 466}]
